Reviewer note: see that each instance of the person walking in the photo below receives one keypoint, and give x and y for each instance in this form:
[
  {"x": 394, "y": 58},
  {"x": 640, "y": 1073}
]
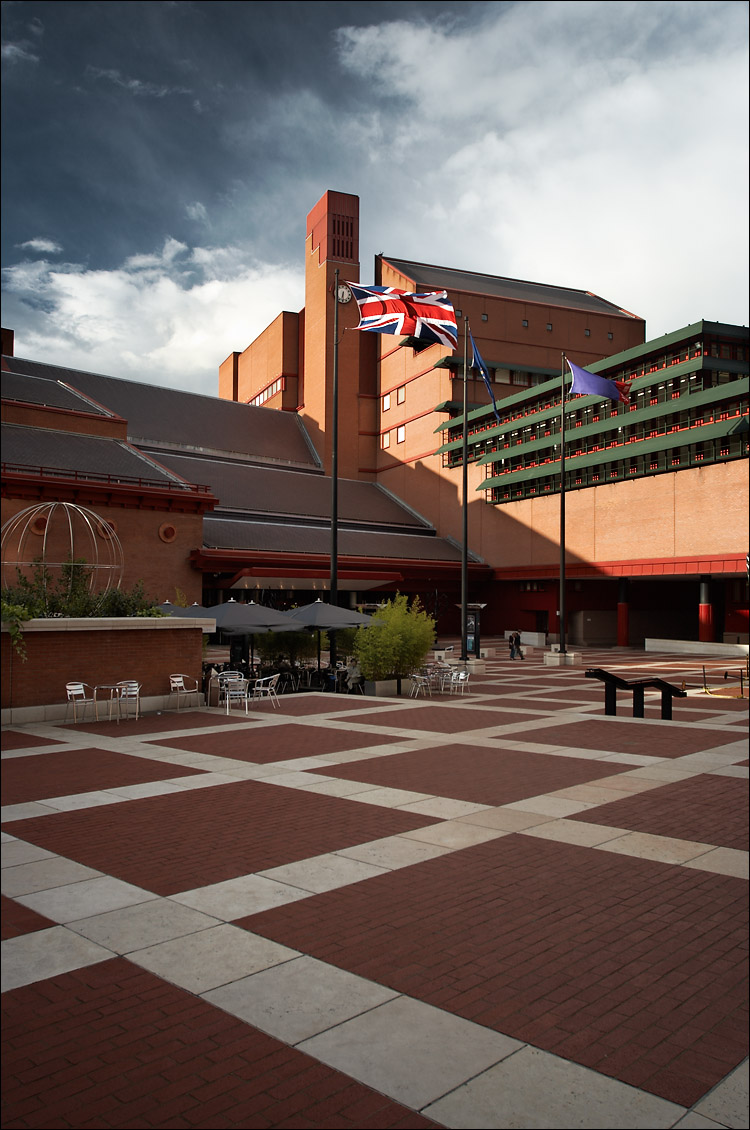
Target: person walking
[
  {"x": 517, "y": 645},
  {"x": 512, "y": 644}
]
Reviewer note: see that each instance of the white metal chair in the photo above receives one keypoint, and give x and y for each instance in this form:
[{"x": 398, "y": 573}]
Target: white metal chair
[
  {"x": 224, "y": 679},
  {"x": 420, "y": 684},
  {"x": 235, "y": 690},
  {"x": 266, "y": 688},
  {"x": 127, "y": 693},
  {"x": 459, "y": 681},
  {"x": 182, "y": 686},
  {"x": 80, "y": 695}
]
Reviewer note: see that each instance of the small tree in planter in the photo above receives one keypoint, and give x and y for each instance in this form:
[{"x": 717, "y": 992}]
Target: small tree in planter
[{"x": 397, "y": 643}]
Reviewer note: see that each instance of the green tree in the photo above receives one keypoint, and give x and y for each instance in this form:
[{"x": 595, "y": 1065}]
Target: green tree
[{"x": 397, "y": 642}]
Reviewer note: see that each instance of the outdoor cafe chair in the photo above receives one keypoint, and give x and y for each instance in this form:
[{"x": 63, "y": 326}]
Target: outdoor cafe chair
[
  {"x": 459, "y": 681},
  {"x": 420, "y": 684},
  {"x": 266, "y": 688},
  {"x": 182, "y": 686},
  {"x": 127, "y": 692},
  {"x": 224, "y": 678},
  {"x": 80, "y": 695},
  {"x": 235, "y": 690}
]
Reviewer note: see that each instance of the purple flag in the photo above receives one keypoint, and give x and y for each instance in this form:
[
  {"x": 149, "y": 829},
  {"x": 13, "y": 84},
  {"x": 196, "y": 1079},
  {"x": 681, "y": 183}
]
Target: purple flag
[{"x": 589, "y": 384}]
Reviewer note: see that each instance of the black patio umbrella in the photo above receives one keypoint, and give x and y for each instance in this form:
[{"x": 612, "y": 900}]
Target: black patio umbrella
[
  {"x": 251, "y": 619},
  {"x": 192, "y": 609},
  {"x": 321, "y": 617}
]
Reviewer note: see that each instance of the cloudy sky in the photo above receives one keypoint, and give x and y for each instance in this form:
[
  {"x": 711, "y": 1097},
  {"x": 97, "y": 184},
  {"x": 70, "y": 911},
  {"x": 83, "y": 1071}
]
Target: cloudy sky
[{"x": 159, "y": 160}]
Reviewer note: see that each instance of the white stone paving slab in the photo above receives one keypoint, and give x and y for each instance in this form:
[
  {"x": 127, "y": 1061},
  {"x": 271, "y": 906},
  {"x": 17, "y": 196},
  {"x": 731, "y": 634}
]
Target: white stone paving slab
[
  {"x": 727, "y": 1102},
  {"x": 291, "y": 779},
  {"x": 664, "y": 849},
  {"x": 26, "y": 811},
  {"x": 722, "y": 861},
  {"x": 237, "y": 898},
  {"x": 213, "y": 957},
  {"x": 203, "y": 781},
  {"x": 538, "y": 1091},
  {"x": 576, "y": 832},
  {"x": 550, "y": 805},
  {"x": 391, "y": 798},
  {"x": 693, "y": 1121},
  {"x": 15, "y": 852},
  {"x": 455, "y": 834},
  {"x": 335, "y": 786},
  {"x": 741, "y": 771},
  {"x": 393, "y": 852},
  {"x": 77, "y": 801},
  {"x": 444, "y": 808},
  {"x": 84, "y": 899},
  {"x": 410, "y": 1051},
  {"x": 137, "y": 927},
  {"x": 44, "y": 874},
  {"x": 300, "y": 998},
  {"x": 507, "y": 819},
  {"x": 46, "y": 953},
  {"x": 323, "y": 872},
  {"x": 148, "y": 788}
]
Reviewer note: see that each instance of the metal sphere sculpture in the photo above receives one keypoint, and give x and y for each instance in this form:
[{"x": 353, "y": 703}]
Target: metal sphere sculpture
[{"x": 61, "y": 544}]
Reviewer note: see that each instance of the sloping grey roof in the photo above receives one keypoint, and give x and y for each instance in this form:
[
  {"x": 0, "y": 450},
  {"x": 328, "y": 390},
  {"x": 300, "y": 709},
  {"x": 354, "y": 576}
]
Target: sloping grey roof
[
  {"x": 447, "y": 278},
  {"x": 273, "y": 491},
  {"x": 68, "y": 453},
  {"x": 271, "y": 537},
  {"x": 36, "y": 390},
  {"x": 170, "y": 417}
]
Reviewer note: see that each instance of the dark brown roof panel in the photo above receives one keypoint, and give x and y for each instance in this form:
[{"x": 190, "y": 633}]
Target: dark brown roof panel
[
  {"x": 169, "y": 417},
  {"x": 270, "y": 537}
]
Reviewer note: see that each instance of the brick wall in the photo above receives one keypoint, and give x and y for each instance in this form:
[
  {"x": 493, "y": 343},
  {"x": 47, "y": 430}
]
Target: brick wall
[{"x": 114, "y": 650}]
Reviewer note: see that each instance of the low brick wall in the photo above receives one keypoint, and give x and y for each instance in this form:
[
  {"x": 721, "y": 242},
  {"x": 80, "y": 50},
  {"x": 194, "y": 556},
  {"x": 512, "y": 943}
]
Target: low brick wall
[{"x": 97, "y": 651}]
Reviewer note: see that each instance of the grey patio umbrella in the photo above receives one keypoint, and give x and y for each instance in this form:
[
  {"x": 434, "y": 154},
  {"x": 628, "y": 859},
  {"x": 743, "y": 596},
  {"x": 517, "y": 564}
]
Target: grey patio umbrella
[
  {"x": 192, "y": 609},
  {"x": 249, "y": 619},
  {"x": 322, "y": 617}
]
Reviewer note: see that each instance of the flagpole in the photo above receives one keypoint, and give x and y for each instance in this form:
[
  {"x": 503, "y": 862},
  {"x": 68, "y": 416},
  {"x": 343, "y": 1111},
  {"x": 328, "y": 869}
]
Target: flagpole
[
  {"x": 562, "y": 506},
  {"x": 465, "y": 508},
  {"x": 334, "y": 593}
]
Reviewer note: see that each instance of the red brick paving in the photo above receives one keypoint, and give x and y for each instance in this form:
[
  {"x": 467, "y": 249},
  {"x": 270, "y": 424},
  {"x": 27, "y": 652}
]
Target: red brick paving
[
  {"x": 628, "y": 966},
  {"x": 158, "y": 723},
  {"x": 277, "y": 743},
  {"x": 313, "y": 703},
  {"x": 437, "y": 720},
  {"x": 484, "y": 776},
  {"x": 652, "y": 739},
  {"x": 17, "y": 920},
  {"x": 70, "y": 771},
  {"x": 184, "y": 840},
  {"x": 17, "y": 739},
  {"x": 114, "y": 1046},
  {"x": 707, "y": 809}
]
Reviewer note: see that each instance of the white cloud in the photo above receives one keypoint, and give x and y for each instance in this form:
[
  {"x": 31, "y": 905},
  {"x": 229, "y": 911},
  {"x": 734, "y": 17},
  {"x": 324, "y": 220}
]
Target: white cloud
[
  {"x": 42, "y": 246},
  {"x": 197, "y": 211},
  {"x": 18, "y": 53},
  {"x": 594, "y": 145},
  {"x": 135, "y": 85},
  {"x": 169, "y": 318}
]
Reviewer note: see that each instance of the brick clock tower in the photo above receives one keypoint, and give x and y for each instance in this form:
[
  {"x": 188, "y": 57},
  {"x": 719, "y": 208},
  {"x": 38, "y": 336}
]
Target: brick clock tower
[{"x": 333, "y": 243}]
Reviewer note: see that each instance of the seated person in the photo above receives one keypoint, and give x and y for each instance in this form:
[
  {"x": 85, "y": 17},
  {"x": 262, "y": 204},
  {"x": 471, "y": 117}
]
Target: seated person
[{"x": 353, "y": 673}]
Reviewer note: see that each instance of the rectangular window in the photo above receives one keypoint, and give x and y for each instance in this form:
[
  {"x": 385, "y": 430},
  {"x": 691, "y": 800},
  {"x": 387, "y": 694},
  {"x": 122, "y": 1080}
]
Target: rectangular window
[
  {"x": 386, "y": 402},
  {"x": 400, "y": 434},
  {"x": 401, "y": 395},
  {"x": 386, "y": 439}
]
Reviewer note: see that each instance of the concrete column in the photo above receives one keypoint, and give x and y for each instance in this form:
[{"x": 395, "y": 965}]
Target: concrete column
[
  {"x": 623, "y": 613},
  {"x": 706, "y": 627}
]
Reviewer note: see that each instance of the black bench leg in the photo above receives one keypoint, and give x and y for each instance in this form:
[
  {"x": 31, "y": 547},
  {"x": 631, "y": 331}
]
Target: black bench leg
[
  {"x": 638, "y": 702},
  {"x": 666, "y": 705},
  {"x": 610, "y": 698}
]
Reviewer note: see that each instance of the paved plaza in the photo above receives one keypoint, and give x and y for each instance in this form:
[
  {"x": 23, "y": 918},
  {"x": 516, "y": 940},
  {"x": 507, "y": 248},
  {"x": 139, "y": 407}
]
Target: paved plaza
[{"x": 495, "y": 909}]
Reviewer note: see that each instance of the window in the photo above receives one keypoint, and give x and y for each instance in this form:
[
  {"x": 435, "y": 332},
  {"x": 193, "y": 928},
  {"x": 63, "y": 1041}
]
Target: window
[
  {"x": 400, "y": 434},
  {"x": 458, "y": 313},
  {"x": 525, "y": 323},
  {"x": 587, "y": 333},
  {"x": 610, "y": 337},
  {"x": 549, "y": 326},
  {"x": 484, "y": 317},
  {"x": 386, "y": 441},
  {"x": 401, "y": 394},
  {"x": 386, "y": 402}
]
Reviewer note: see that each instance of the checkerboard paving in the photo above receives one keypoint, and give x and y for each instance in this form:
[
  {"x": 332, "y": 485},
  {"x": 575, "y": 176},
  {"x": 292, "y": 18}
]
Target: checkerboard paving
[{"x": 357, "y": 912}]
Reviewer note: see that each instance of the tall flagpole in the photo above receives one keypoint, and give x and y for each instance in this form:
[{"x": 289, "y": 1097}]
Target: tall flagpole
[
  {"x": 562, "y": 506},
  {"x": 334, "y": 594},
  {"x": 465, "y": 509}
]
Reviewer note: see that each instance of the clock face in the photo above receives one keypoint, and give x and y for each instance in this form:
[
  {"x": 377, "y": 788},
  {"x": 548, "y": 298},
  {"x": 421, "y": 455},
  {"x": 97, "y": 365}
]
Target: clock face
[{"x": 343, "y": 293}]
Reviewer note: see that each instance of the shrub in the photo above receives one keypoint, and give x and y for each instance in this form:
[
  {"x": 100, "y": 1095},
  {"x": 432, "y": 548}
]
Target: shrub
[{"x": 397, "y": 642}]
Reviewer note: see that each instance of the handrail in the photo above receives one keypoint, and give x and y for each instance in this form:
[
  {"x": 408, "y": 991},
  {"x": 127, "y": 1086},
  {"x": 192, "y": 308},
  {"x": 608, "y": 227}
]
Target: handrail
[
  {"x": 612, "y": 682},
  {"x": 102, "y": 477}
]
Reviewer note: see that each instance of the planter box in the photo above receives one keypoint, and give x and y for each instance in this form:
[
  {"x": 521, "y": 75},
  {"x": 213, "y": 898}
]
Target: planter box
[{"x": 382, "y": 688}]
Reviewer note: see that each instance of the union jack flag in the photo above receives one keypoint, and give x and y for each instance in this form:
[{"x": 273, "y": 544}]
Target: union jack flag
[{"x": 386, "y": 310}]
